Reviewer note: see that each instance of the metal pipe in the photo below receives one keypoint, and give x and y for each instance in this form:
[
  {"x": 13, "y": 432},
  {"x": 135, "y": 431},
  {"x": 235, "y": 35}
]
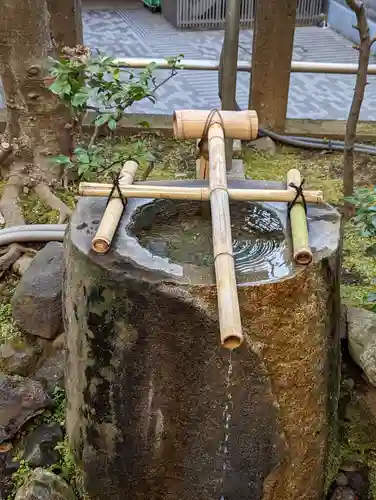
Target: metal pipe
[
  {"x": 245, "y": 66},
  {"x": 229, "y": 62}
]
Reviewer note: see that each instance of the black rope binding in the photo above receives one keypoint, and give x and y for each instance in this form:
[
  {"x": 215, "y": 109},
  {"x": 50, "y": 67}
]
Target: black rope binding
[
  {"x": 208, "y": 122},
  {"x": 299, "y": 192},
  {"x": 116, "y": 187}
]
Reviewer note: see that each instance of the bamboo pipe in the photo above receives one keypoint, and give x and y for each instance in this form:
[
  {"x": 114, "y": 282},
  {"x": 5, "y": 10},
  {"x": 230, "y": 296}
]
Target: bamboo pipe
[
  {"x": 196, "y": 193},
  {"x": 102, "y": 240},
  {"x": 191, "y": 124},
  {"x": 299, "y": 227},
  {"x": 227, "y": 294}
]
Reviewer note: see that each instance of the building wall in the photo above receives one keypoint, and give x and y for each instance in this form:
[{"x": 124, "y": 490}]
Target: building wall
[{"x": 342, "y": 19}]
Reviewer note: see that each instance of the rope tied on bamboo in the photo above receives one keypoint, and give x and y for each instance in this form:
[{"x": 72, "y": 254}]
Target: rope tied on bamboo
[
  {"x": 116, "y": 188},
  {"x": 299, "y": 194},
  {"x": 204, "y": 136}
]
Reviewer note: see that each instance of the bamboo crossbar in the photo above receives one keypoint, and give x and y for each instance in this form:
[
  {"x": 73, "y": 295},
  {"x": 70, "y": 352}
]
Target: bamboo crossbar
[{"x": 196, "y": 193}]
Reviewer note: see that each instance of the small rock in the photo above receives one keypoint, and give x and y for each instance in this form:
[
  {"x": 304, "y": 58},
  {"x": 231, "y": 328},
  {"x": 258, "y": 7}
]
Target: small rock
[
  {"x": 37, "y": 303},
  {"x": 359, "y": 482},
  {"x": 20, "y": 399},
  {"x": 43, "y": 485},
  {"x": 40, "y": 445},
  {"x": 180, "y": 175},
  {"x": 343, "y": 493},
  {"x": 264, "y": 144},
  {"x": 341, "y": 480},
  {"x": 50, "y": 372},
  {"x": 362, "y": 340},
  {"x": 20, "y": 355}
]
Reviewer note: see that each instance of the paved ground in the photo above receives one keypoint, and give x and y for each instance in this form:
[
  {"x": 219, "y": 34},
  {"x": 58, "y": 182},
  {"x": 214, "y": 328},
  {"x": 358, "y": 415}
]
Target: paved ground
[{"x": 135, "y": 32}]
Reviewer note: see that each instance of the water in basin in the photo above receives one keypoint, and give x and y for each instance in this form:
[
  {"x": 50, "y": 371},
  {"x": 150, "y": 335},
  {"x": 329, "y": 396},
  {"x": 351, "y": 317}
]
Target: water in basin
[{"x": 182, "y": 232}]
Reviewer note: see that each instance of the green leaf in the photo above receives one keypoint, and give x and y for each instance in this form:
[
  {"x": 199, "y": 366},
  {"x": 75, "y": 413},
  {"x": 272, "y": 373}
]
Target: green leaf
[
  {"x": 112, "y": 123},
  {"x": 144, "y": 124},
  {"x": 79, "y": 149},
  {"x": 83, "y": 158},
  {"x": 80, "y": 98},
  {"x": 62, "y": 160},
  {"x": 83, "y": 168},
  {"x": 102, "y": 119},
  {"x": 56, "y": 87}
]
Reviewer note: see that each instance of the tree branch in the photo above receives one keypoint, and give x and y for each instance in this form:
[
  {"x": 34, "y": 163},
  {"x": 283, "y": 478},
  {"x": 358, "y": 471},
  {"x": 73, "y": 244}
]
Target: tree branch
[{"x": 356, "y": 6}]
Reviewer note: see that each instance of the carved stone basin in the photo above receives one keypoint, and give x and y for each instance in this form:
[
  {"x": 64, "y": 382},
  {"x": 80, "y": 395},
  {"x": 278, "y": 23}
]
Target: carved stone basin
[{"x": 147, "y": 380}]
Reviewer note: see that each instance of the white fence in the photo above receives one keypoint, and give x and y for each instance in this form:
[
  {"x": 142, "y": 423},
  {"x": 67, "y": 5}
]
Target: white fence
[{"x": 206, "y": 14}]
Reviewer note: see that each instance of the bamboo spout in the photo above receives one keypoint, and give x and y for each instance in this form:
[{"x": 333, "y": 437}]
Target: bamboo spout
[
  {"x": 299, "y": 227},
  {"x": 191, "y": 124},
  {"x": 228, "y": 302},
  {"x": 102, "y": 240}
]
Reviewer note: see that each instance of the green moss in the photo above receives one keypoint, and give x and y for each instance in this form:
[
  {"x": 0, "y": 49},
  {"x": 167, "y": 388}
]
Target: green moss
[{"x": 317, "y": 171}]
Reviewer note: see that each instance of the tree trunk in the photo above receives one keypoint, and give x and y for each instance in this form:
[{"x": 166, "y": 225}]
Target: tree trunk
[
  {"x": 37, "y": 121},
  {"x": 66, "y": 22},
  {"x": 360, "y": 85}
]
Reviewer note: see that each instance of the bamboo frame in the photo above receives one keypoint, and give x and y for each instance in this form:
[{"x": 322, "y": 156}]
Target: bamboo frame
[
  {"x": 299, "y": 227},
  {"x": 227, "y": 294},
  {"x": 102, "y": 240},
  {"x": 197, "y": 193}
]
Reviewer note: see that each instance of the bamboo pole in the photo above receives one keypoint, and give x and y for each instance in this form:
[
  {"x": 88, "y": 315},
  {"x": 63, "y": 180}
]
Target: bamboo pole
[
  {"x": 191, "y": 123},
  {"x": 196, "y": 193},
  {"x": 227, "y": 293},
  {"x": 102, "y": 240},
  {"x": 299, "y": 227}
]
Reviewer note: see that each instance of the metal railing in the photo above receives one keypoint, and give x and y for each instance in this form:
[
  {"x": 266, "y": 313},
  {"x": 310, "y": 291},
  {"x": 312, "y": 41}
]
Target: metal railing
[
  {"x": 206, "y": 14},
  {"x": 246, "y": 67}
]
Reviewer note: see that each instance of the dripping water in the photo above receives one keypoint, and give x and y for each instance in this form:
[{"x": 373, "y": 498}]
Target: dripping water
[{"x": 227, "y": 415}]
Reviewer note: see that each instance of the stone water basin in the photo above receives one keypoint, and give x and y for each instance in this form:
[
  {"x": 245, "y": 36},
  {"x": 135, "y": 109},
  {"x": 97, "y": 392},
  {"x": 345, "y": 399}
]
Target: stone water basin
[{"x": 147, "y": 380}]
